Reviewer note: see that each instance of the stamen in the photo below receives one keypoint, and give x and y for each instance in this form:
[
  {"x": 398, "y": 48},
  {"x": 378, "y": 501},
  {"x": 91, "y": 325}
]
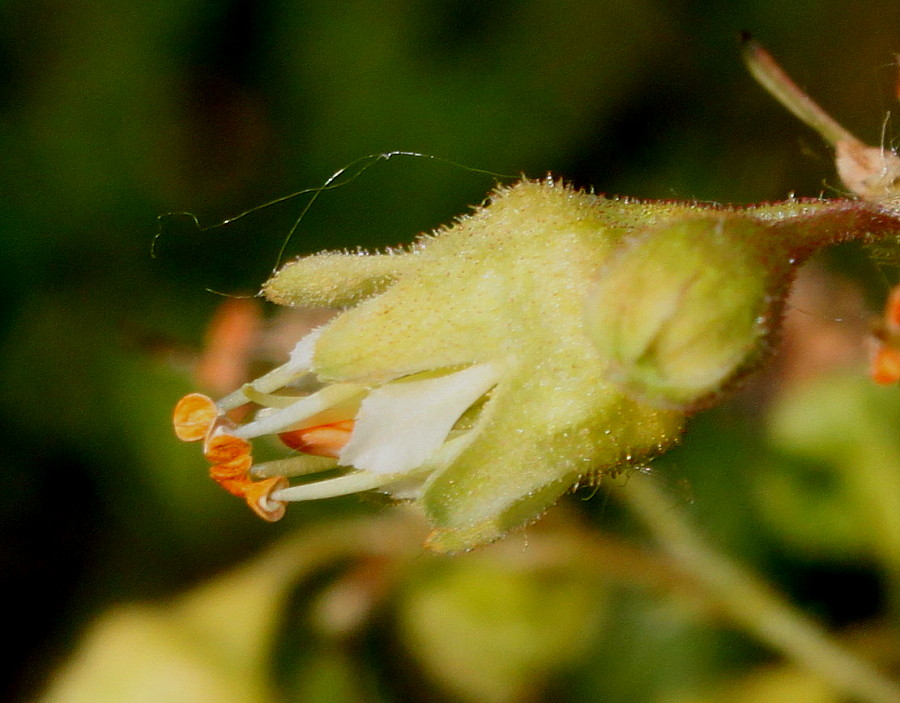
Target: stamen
[
  {"x": 232, "y": 475},
  {"x": 268, "y": 400},
  {"x": 321, "y": 440},
  {"x": 355, "y": 482},
  {"x": 260, "y": 497},
  {"x": 223, "y": 448},
  {"x": 193, "y": 416},
  {"x": 299, "y": 465},
  {"x": 235, "y": 486},
  {"x": 279, "y": 377},
  {"x": 272, "y": 381},
  {"x": 302, "y": 410}
]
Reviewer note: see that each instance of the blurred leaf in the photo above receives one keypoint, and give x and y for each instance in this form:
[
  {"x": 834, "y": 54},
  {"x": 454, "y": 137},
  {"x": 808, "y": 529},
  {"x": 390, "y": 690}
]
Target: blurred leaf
[
  {"x": 214, "y": 643},
  {"x": 836, "y": 490},
  {"x": 330, "y": 676},
  {"x": 138, "y": 653},
  {"x": 493, "y": 631}
]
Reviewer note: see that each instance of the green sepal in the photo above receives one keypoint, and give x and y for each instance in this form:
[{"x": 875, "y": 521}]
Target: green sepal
[{"x": 333, "y": 279}]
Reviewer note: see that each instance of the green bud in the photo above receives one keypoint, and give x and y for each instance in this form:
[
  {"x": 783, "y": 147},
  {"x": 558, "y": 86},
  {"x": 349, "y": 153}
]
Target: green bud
[{"x": 684, "y": 307}]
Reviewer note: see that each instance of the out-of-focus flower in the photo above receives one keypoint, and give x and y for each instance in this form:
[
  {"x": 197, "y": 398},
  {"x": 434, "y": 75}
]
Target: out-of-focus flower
[
  {"x": 885, "y": 367},
  {"x": 548, "y": 339}
]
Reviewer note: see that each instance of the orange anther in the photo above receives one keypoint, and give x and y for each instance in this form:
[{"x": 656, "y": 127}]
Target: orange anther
[
  {"x": 193, "y": 416},
  {"x": 233, "y": 474},
  {"x": 321, "y": 440},
  {"x": 224, "y": 448},
  {"x": 258, "y": 497},
  {"x": 235, "y": 486},
  {"x": 886, "y": 366}
]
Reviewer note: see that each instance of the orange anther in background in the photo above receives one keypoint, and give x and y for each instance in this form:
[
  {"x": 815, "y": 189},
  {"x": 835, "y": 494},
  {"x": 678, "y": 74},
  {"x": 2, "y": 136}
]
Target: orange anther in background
[
  {"x": 321, "y": 440},
  {"x": 193, "y": 416},
  {"x": 886, "y": 366},
  {"x": 230, "y": 338},
  {"x": 892, "y": 311},
  {"x": 224, "y": 448},
  {"x": 258, "y": 497}
]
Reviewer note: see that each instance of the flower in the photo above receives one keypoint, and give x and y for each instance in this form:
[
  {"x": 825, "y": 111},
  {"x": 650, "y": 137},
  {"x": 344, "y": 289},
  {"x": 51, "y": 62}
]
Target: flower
[
  {"x": 548, "y": 339},
  {"x": 885, "y": 345}
]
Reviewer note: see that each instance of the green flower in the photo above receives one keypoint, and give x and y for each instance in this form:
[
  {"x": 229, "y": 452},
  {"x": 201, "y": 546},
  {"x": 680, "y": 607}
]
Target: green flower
[{"x": 548, "y": 339}]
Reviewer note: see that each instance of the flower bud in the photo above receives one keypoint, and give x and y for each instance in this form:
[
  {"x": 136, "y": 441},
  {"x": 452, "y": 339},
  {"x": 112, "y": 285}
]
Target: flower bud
[{"x": 684, "y": 307}]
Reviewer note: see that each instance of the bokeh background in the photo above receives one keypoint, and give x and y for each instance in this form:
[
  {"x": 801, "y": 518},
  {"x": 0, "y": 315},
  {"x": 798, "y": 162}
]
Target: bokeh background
[{"x": 125, "y": 561}]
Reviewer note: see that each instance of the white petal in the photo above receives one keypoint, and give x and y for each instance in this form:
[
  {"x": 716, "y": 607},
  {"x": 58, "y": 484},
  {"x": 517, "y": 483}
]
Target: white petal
[
  {"x": 410, "y": 487},
  {"x": 401, "y": 424},
  {"x": 302, "y": 353}
]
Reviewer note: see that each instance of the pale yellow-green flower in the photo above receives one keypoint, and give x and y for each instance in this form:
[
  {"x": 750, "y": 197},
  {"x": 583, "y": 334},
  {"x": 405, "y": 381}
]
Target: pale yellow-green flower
[{"x": 549, "y": 338}]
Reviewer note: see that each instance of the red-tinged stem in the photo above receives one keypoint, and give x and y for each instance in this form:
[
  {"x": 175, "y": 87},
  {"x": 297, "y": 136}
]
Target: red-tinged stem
[{"x": 836, "y": 222}]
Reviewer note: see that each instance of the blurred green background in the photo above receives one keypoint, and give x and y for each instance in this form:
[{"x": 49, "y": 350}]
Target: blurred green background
[{"x": 114, "y": 113}]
